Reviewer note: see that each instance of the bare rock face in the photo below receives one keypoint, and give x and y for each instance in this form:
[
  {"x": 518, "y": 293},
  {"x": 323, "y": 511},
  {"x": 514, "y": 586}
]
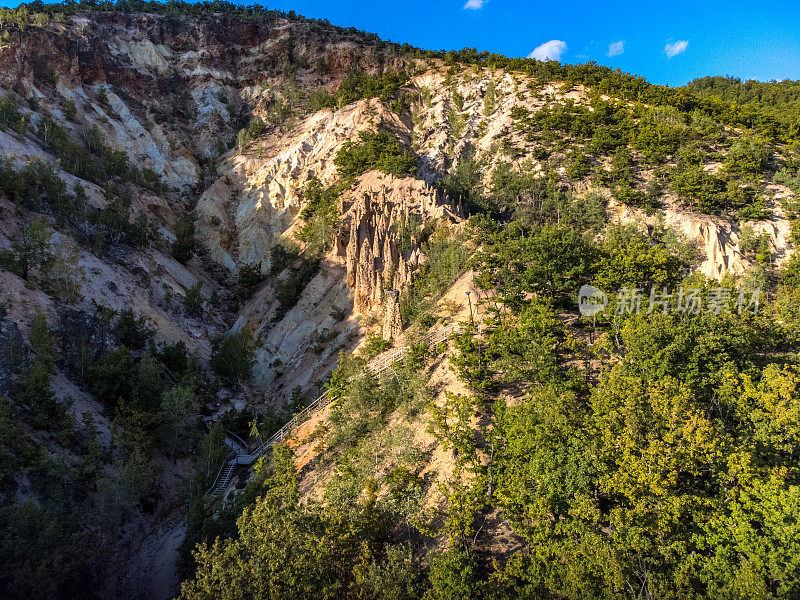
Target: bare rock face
[
  {"x": 376, "y": 247},
  {"x": 177, "y": 90},
  {"x": 257, "y": 197},
  {"x": 392, "y": 321},
  {"x": 289, "y": 355},
  {"x": 378, "y": 236},
  {"x": 716, "y": 239}
]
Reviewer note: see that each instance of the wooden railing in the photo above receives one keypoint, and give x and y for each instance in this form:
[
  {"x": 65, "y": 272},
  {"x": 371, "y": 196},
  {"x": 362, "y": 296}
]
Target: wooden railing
[
  {"x": 385, "y": 360},
  {"x": 374, "y": 367}
]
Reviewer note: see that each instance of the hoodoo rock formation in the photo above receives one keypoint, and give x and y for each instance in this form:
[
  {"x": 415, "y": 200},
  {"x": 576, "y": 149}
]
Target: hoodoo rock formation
[
  {"x": 379, "y": 234},
  {"x": 198, "y": 224},
  {"x": 392, "y": 321}
]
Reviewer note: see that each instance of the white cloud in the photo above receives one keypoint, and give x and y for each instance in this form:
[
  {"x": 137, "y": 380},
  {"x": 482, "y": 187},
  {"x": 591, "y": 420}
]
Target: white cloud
[
  {"x": 551, "y": 50},
  {"x": 676, "y": 48},
  {"x": 474, "y": 4},
  {"x": 616, "y": 48}
]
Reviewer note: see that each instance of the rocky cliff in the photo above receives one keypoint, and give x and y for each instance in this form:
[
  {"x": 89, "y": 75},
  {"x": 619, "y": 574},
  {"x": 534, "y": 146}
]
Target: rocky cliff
[
  {"x": 158, "y": 101},
  {"x": 377, "y": 238}
]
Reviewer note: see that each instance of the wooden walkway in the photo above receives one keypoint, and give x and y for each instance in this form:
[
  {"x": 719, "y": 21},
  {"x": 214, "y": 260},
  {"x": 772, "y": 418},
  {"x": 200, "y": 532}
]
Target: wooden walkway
[{"x": 375, "y": 367}]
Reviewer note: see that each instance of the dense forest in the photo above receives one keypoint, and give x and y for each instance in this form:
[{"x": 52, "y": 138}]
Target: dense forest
[{"x": 647, "y": 451}]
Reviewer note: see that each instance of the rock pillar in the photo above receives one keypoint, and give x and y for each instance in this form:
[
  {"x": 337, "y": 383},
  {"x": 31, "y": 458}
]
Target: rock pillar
[{"x": 392, "y": 323}]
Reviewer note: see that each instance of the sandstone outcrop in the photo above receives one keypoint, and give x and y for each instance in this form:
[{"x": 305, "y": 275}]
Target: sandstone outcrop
[
  {"x": 379, "y": 233},
  {"x": 392, "y": 321},
  {"x": 717, "y": 240}
]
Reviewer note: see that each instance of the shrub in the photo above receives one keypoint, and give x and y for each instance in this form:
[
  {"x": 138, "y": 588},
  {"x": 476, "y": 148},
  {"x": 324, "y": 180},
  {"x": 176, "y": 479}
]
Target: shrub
[
  {"x": 338, "y": 314},
  {"x": 374, "y": 346},
  {"x": 193, "y": 300},
  {"x": 789, "y": 175},
  {"x": 399, "y": 577},
  {"x": 132, "y": 331},
  {"x": 115, "y": 215},
  {"x": 453, "y": 574},
  {"x": 458, "y": 100},
  {"x": 375, "y": 150},
  {"x": 233, "y": 356},
  {"x": 93, "y": 159},
  {"x": 756, "y": 211}
]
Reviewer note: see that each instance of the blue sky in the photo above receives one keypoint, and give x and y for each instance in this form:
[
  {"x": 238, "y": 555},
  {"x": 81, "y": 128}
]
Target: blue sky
[{"x": 667, "y": 42}]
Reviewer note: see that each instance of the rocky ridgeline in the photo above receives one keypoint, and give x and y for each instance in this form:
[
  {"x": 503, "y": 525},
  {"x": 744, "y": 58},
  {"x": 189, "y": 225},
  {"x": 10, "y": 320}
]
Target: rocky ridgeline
[{"x": 173, "y": 88}]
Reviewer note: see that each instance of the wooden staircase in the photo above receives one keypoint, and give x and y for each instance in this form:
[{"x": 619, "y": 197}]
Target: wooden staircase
[
  {"x": 374, "y": 367},
  {"x": 224, "y": 477}
]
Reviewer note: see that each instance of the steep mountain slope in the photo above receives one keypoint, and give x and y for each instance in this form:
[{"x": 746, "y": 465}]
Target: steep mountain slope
[
  {"x": 132, "y": 113},
  {"x": 202, "y": 211}
]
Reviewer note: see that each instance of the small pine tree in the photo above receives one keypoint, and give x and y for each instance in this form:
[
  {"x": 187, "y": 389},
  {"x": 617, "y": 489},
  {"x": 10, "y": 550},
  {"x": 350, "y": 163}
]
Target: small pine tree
[
  {"x": 43, "y": 343},
  {"x": 184, "y": 244}
]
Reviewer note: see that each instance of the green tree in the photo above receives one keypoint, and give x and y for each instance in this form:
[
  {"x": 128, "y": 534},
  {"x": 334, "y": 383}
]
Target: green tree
[
  {"x": 287, "y": 549},
  {"x": 44, "y": 554},
  {"x": 34, "y": 393},
  {"x": 112, "y": 377},
  {"x": 34, "y": 252},
  {"x": 132, "y": 331},
  {"x": 549, "y": 260},
  {"x": 453, "y": 576},
  {"x": 149, "y": 383},
  {"x": 248, "y": 279},
  {"x": 184, "y": 244},
  {"x": 194, "y": 299},
  {"x": 178, "y": 406},
  {"x": 452, "y": 426},
  {"x": 233, "y": 356},
  {"x": 375, "y": 150},
  {"x": 399, "y": 577},
  {"x": 64, "y": 275},
  {"x": 629, "y": 259},
  {"x": 43, "y": 343},
  {"x": 578, "y": 165}
]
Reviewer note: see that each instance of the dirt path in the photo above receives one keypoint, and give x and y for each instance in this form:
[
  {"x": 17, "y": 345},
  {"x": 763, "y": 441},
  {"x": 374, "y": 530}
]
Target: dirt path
[{"x": 153, "y": 573}]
